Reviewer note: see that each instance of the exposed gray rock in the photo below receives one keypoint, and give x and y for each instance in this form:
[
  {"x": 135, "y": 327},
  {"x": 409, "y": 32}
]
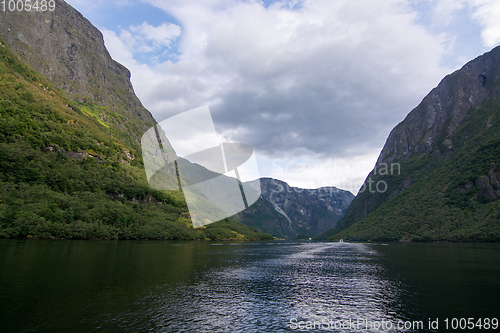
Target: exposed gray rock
[
  {"x": 431, "y": 124},
  {"x": 308, "y": 211},
  {"x": 442, "y": 111},
  {"x": 66, "y": 48}
]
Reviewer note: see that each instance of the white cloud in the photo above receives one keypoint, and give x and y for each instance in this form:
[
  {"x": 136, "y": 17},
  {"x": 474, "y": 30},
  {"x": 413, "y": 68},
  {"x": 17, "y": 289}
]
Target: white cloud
[
  {"x": 344, "y": 58},
  {"x": 96, "y": 5},
  {"x": 324, "y": 81},
  {"x": 118, "y": 49},
  {"x": 146, "y": 38},
  {"x": 487, "y": 13},
  {"x": 308, "y": 172},
  {"x": 160, "y": 36},
  {"x": 444, "y": 10}
]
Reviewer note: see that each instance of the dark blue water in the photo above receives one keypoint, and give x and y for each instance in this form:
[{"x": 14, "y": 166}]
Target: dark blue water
[{"x": 141, "y": 286}]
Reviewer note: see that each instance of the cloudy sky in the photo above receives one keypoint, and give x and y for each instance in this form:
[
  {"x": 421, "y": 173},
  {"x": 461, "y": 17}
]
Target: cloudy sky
[{"x": 314, "y": 86}]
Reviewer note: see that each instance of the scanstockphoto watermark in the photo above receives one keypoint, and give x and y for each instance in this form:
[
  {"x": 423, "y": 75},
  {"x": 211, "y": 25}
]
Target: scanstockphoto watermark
[
  {"x": 357, "y": 324},
  {"x": 364, "y": 324},
  {"x": 380, "y": 186}
]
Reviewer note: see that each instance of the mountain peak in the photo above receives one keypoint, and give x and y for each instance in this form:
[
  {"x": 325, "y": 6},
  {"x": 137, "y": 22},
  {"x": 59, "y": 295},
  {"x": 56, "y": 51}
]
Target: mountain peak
[{"x": 308, "y": 211}]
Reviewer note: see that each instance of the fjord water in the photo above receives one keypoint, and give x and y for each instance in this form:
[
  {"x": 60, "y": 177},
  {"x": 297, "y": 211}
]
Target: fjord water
[{"x": 163, "y": 286}]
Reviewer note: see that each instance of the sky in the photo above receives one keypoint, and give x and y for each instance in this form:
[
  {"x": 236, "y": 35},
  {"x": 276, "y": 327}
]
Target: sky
[{"x": 315, "y": 87}]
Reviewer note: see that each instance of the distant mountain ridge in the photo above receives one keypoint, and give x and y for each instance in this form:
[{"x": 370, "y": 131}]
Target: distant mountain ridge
[
  {"x": 446, "y": 148},
  {"x": 296, "y": 211}
]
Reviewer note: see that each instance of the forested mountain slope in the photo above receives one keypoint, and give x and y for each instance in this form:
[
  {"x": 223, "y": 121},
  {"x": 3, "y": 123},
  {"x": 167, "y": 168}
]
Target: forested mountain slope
[
  {"x": 70, "y": 163},
  {"x": 444, "y": 160}
]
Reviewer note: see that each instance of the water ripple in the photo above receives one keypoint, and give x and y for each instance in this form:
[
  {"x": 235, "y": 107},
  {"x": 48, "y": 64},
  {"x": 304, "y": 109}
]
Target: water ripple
[{"x": 306, "y": 281}]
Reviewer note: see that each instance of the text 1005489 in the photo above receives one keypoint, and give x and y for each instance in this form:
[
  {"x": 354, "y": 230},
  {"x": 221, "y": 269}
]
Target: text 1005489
[{"x": 27, "y": 5}]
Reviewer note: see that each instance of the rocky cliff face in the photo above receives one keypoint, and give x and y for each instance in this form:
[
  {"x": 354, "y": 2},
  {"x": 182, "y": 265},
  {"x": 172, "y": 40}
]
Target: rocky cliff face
[
  {"x": 431, "y": 124},
  {"x": 66, "y": 48},
  {"x": 307, "y": 211},
  {"x": 442, "y": 111},
  {"x": 445, "y": 127}
]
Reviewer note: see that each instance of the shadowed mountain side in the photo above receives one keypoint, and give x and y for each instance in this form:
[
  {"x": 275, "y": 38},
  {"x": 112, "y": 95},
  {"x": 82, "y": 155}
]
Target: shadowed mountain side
[
  {"x": 307, "y": 211},
  {"x": 264, "y": 217}
]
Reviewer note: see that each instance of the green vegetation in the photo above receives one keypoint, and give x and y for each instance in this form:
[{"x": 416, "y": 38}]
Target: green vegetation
[
  {"x": 454, "y": 192},
  {"x": 229, "y": 229},
  {"x": 263, "y": 216},
  {"x": 65, "y": 172},
  {"x": 95, "y": 111}
]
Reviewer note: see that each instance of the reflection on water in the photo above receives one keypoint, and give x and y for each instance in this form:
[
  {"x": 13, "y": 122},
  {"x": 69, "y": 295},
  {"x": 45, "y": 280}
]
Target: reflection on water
[
  {"x": 72, "y": 286},
  {"x": 308, "y": 281},
  {"x": 303, "y": 281}
]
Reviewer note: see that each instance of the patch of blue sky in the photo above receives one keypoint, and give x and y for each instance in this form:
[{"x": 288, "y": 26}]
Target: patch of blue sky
[
  {"x": 121, "y": 16},
  {"x": 459, "y": 30},
  {"x": 159, "y": 56},
  {"x": 290, "y": 4}
]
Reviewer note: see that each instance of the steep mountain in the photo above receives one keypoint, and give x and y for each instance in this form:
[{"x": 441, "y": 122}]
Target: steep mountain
[
  {"x": 288, "y": 212},
  {"x": 437, "y": 174},
  {"x": 70, "y": 164},
  {"x": 66, "y": 48},
  {"x": 264, "y": 217}
]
